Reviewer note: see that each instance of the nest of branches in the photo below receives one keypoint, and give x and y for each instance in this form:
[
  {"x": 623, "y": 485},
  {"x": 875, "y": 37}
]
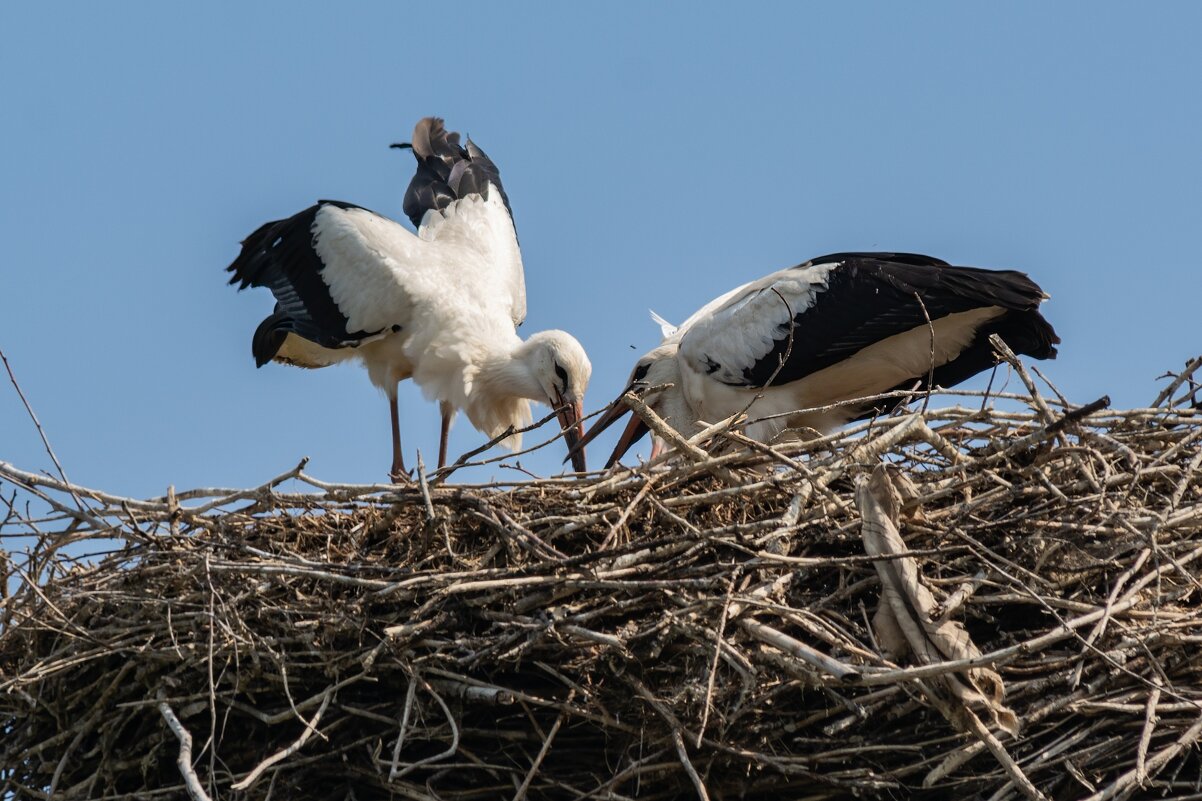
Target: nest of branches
[{"x": 969, "y": 601}]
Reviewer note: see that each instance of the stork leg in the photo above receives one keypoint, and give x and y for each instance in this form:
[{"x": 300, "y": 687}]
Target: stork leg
[
  {"x": 398, "y": 474},
  {"x": 448, "y": 414}
]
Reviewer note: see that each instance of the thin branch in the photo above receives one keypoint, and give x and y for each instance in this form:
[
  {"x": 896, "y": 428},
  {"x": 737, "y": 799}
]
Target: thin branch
[
  {"x": 683, "y": 753},
  {"x": 1167, "y": 393},
  {"x": 931, "y": 365},
  {"x": 310, "y": 727},
  {"x": 184, "y": 760},
  {"x": 41, "y": 432},
  {"x": 542, "y": 752}
]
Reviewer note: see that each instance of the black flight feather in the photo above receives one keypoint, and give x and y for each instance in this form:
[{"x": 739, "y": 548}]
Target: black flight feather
[
  {"x": 281, "y": 255},
  {"x": 446, "y": 171},
  {"x": 873, "y": 296}
]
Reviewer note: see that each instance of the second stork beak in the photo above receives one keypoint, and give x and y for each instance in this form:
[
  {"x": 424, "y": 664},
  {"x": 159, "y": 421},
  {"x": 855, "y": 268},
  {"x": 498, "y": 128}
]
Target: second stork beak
[
  {"x": 571, "y": 420},
  {"x": 635, "y": 430}
]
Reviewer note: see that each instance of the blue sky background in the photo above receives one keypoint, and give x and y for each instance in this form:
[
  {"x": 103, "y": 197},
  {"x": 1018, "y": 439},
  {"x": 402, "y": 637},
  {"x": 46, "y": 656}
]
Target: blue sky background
[{"x": 656, "y": 155}]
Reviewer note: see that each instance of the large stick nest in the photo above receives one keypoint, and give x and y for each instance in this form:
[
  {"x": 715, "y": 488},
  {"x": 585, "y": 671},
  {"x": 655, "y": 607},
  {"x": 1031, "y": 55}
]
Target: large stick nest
[{"x": 708, "y": 626}]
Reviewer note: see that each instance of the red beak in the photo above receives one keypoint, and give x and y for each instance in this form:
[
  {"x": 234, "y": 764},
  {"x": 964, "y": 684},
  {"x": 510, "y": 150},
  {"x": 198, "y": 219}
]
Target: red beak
[
  {"x": 635, "y": 430},
  {"x": 571, "y": 420}
]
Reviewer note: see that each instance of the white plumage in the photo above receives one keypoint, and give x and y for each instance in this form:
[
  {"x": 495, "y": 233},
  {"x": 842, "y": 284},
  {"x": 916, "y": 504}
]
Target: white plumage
[
  {"x": 834, "y": 329},
  {"x": 440, "y": 306}
]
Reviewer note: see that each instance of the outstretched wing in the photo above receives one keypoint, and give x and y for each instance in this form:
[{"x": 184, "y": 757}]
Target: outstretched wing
[
  {"x": 798, "y": 321},
  {"x": 337, "y": 273},
  {"x": 449, "y": 173}
]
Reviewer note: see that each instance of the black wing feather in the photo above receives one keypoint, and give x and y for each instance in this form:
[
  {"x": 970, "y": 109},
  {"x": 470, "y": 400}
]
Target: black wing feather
[
  {"x": 873, "y": 296},
  {"x": 447, "y": 171},
  {"x": 281, "y": 256}
]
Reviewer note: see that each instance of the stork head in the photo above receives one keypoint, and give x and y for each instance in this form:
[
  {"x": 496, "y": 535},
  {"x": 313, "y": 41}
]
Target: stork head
[
  {"x": 562, "y": 370},
  {"x": 657, "y": 368}
]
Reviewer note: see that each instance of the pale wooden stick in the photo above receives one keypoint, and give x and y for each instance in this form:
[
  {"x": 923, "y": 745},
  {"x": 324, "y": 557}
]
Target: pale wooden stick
[
  {"x": 410, "y": 693},
  {"x": 713, "y": 671},
  {"x": 1167, "y": 393},
  {"x": 310, "y": 727},
  {"x": 796, "y": 648},
  {"x": 664, "y": 431},
  {"x": 454, "y": 746},
  {"x": 184, "y": 760},
  {"x": 1153, "y": 765},
  {"x": 1145, "y": 737},
  {"x": 999, "y": 752}
]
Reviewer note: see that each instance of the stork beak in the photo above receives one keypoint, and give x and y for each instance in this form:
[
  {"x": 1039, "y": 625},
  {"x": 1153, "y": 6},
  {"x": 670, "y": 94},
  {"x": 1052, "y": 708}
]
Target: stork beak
[
  {"x": 571, "y": 420},
  {"x": 635, "y": 430}
]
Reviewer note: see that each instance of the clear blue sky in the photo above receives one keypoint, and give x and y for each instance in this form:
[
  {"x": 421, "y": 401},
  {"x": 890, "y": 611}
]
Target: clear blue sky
[{"x": 656, "y": 155}]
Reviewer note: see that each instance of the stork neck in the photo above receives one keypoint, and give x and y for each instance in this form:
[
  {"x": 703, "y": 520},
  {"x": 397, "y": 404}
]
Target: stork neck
[{"x": 508, "y": 371}]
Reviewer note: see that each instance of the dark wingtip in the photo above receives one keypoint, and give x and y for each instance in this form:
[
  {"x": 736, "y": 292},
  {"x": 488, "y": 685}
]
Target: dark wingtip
[{"x": 269, "y": 337}]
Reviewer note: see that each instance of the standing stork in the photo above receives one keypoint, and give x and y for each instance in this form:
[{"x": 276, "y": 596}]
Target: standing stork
[
  {"x": 441, "y": 306},
  {"x": 837, "y": 328}
]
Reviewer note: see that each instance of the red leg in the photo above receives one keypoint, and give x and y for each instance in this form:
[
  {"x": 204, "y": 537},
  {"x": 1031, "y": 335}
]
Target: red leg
[
  {"x": 448, "y": 414},
  {"x": 398, "y": 473}
]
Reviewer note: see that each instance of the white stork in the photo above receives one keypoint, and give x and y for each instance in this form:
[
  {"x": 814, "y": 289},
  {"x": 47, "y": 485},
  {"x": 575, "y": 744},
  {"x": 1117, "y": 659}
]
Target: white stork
[
  {"x": 837, "y": 328},
  {"x": 441, "y": 306}
]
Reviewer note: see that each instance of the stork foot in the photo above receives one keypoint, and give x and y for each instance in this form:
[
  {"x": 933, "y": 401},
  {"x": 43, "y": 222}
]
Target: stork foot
[{"x": 399, "y": 475}]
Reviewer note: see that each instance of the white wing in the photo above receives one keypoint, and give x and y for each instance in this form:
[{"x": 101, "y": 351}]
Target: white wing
[
  {"x": 482, "y": 231},
  {"x": 368, "y": 264},
  {"x": 449, "y": 174},
  {"x": 342, "y": 274},
  {"x": 731, "y": 333},
  {"x": 666, "y": 328}
]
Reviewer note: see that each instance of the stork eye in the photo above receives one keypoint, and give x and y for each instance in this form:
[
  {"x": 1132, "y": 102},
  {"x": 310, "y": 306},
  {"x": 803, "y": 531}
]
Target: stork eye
[
  {"x": 640, "y": 372},
  {"x": 563, "y": 376}
]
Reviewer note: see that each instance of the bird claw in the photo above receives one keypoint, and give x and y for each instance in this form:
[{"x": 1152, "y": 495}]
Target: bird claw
[{"x": 400, "y": 476}]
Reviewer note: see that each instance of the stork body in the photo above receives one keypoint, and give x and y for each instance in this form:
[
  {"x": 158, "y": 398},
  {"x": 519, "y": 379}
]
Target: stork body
[
  {"x": 834, "y": 329},
  {"x": 440, "y": 307}
]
